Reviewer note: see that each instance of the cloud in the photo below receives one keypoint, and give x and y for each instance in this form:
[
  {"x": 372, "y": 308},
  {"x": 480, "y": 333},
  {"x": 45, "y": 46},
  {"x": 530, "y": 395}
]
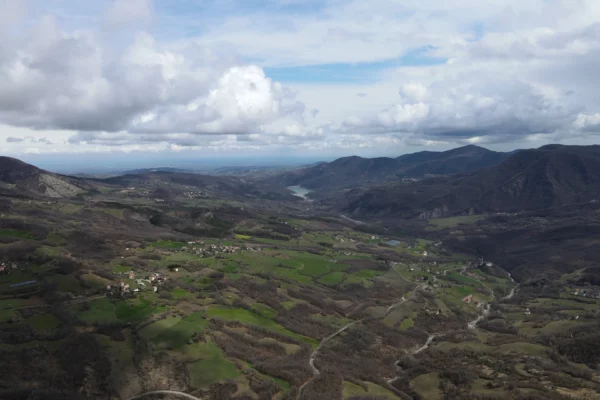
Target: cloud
[
  {"x": 242, "y": 100},
  {"x": 588, "y": 122},
  {"x": 166, "y": 76},
  {"x": 469, "y": 108},
  {"x": 53, "y": 79},
  {"x": 413, "y": 91},
  {"x": 11, "y": 139}
]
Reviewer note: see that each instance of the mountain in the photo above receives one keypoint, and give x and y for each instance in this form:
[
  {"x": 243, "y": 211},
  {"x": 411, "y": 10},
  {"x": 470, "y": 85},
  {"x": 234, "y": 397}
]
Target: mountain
[
  {"x": 550, "y": 176},
  {"x": 357, "y": 171},
  {"x": 20, "y": 178}
]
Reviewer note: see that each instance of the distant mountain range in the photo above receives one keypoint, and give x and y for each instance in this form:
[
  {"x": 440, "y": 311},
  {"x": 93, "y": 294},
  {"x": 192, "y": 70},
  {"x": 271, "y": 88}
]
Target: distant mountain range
[
  {"x": 18, "y": 178},
  {"x": 550, "y": 176},
  {"x": 466, "y": 180},
  {"x": 357, "y": 171}
]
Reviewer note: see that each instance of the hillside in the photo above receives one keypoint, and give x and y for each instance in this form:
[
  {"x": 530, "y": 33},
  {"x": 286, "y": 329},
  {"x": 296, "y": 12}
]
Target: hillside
[
  {"x": 550, "y": 176},
  {"x": 20, "y": 178},
  {"x": 169, "y": 185},
  {"x": 357, "y": 171}
]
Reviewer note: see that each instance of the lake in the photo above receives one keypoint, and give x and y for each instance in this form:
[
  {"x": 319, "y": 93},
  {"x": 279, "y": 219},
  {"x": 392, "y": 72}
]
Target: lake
[{"x": 299, "y": 191}]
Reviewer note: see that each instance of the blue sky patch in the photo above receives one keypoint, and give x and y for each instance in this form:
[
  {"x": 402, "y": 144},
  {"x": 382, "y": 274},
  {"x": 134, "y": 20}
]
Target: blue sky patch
[{"x": 352, "y": 73}]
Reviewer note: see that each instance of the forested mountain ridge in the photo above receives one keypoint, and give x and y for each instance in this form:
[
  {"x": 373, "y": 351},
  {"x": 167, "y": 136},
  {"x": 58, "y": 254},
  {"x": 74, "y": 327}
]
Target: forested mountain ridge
[{"x": 356, "y": 171}]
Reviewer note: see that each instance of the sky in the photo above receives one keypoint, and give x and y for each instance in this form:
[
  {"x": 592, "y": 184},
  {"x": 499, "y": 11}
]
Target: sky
[{"x": 115, "y": 82}]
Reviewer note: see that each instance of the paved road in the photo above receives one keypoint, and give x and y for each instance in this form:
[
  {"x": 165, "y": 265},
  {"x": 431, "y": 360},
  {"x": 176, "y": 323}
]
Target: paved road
[{"x": 172, "y": 392}]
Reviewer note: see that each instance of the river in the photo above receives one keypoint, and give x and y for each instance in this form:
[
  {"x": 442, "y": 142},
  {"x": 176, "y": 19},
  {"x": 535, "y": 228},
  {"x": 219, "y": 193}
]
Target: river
[{"x": 299, "y": 191}]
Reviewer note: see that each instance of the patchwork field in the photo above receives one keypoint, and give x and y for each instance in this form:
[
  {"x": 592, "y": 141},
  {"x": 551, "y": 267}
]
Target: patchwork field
[{"x": 240, "y": 304}]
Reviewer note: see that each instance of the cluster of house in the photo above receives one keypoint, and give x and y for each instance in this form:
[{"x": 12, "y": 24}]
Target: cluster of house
[
  {"x": 194, "y": 195},
  {"x": 343, "y": 239},
  {"x": 593, "y": 292},
  {"x": 7, "y": 268},
  {"x": 124, "y": 289},
  {"x": 213, "y": 249}
]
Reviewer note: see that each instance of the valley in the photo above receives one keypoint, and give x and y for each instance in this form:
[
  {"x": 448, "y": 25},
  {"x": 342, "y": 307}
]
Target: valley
[{"x": 235, "y": 287}]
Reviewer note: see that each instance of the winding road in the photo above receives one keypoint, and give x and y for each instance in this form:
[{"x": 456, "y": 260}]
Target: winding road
[
  {"x": 513, "y": 290},
  {"x": 313, "y": 356},
  {"x": 315, "y": 353},
  {"x": 426, "y": 345}
]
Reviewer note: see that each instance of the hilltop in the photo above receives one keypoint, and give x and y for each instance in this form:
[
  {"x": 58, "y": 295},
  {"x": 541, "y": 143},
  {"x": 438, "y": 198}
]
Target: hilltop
[{"x": 20, "y": 178}]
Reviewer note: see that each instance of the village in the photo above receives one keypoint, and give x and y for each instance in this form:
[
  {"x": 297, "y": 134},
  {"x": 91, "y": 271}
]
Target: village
[{"x": 123, "y": 289}]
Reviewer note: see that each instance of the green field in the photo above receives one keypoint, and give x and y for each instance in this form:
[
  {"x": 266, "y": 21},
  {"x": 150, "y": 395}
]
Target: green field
[
  {"x": 16, "y": 234},
  {"x": 66, "y": 283},
  {"x": 458, "y": 277},
  {"x": 168, "y": 244},
  {"x": 249, "y": 318},
  {"x": 332, "y": 279},
  {"x": 213, "y": 367},
  {"x": 156, "y": 328},
  {"x": 95, "y": 281},
  {"x": 179, "y": 293},
  {"x": 407, "y": 323},
  {"x": 427, "y": 385},
  {"x": 175, "y": 332},
  {"x": 137, "y": 310},
  {"x": 101, "y": 311},
  {"x": 264, "y": 310},
  {"x": 43, "y": 322}
]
